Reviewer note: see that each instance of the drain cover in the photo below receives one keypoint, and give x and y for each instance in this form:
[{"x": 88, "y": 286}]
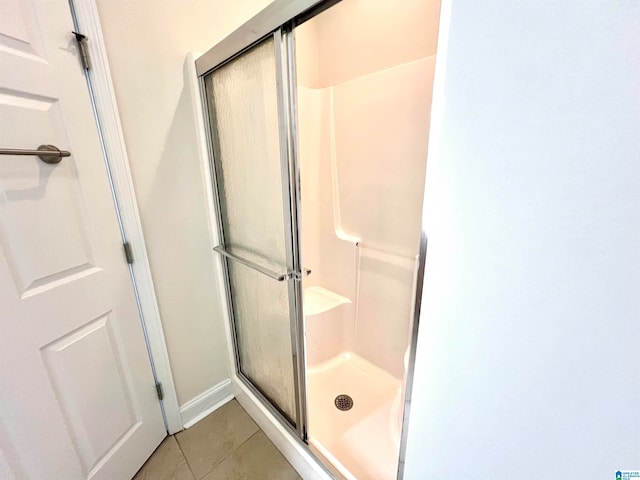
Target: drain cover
[{"x": 343, "y": 402}]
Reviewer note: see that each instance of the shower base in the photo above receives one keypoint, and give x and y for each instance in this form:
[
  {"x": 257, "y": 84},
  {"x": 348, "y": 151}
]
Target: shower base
[{"x": 363, "y": 442}]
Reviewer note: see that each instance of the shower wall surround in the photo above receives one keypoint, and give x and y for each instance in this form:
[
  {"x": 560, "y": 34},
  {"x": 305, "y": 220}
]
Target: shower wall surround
[
  {"x": 363, "y": 103},
  {"x": 363, "y": 149}
]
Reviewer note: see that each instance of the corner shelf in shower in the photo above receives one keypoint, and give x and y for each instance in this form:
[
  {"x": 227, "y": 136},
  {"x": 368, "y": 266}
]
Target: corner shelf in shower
[{"x": 319, "y": 300}]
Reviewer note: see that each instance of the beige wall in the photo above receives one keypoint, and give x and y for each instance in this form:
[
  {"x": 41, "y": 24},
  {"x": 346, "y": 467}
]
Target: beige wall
[
  {"x": 358, "y": 37},
  {"x": 146, "y": 43}
]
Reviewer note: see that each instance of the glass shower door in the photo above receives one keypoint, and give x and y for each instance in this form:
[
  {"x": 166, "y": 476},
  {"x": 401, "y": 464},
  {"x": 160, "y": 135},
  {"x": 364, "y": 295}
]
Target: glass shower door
[{"x": 251, "y": 166}]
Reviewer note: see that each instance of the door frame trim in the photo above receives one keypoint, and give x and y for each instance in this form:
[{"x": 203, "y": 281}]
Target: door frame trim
[{"x": 85, "y": 13}]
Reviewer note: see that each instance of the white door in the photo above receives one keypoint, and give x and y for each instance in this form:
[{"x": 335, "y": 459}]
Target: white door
[{"x": 77, "y": 396}]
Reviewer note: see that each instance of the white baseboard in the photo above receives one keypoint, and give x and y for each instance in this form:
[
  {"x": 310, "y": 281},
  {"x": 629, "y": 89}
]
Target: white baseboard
[
  {"x": 207, "y": 402},
  {"x": 291, "y": 448}
]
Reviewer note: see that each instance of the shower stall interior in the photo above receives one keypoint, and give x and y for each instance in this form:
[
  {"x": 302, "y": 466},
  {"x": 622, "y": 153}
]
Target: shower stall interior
[{"x": 318, "y": 116}]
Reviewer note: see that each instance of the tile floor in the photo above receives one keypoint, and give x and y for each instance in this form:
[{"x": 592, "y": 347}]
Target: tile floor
[{"x": 226, "y": 445}]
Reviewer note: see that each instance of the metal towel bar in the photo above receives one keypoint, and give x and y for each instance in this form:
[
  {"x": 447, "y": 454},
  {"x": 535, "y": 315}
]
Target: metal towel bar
[
  {"x": 280, "y": 277},
  {"x": 47, "y": 153}
]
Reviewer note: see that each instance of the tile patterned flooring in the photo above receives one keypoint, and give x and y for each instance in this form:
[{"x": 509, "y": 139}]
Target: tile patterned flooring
[{"x": 226, "y": 445}]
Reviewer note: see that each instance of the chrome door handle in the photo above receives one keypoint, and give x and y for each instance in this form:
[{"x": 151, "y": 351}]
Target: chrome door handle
[
  {"x": 280, "y": 277},
  {"x": 47, "y": 153}
]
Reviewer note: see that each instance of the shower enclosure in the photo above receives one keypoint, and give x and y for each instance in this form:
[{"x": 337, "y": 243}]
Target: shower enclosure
[{"x": 318, "y": 120}]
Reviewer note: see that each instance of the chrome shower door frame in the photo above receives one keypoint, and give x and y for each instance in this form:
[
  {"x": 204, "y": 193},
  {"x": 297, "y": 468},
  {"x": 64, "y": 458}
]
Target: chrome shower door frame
[
  {"x": 290, "y": 194},
  {"x": 279, "y": 19}
]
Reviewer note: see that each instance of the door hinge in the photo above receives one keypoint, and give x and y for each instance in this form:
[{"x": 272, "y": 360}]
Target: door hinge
[
  {"x": 128, "y": 253},
  {"x": 159, "y": 391},
  {"x": 81, "y": 40}
]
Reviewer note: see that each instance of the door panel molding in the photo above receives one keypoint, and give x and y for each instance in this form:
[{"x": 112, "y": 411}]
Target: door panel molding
[
  {"x": 65, "y": 361},
  {"x": 87, "y": 22}
]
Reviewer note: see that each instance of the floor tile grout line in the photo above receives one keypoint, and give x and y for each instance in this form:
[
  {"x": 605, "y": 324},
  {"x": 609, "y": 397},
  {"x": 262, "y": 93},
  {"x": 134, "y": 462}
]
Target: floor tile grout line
[
  {"x": 258, "y": 429},
  {"x": 149, "y": 458},
  {"x": 230, "y": 453},
  {"x": 248, "y": 438},
  {"x": 223, "y": 460},
  {"x": 185, "y": 457}
]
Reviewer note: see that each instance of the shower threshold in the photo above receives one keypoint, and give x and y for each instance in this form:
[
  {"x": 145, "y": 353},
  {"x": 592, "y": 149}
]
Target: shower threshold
[{"x": 363, "y": 441}]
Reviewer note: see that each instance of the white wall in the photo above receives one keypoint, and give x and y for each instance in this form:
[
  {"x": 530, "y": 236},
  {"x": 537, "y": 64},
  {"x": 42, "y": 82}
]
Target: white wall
[
  {"x": 528, "y": 360},
  {"x": 147, "y": 41}
]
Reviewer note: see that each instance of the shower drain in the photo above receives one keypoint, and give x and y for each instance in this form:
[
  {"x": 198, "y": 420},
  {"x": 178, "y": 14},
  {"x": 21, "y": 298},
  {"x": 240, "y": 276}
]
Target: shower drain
[{"x": 343, "y": 402}]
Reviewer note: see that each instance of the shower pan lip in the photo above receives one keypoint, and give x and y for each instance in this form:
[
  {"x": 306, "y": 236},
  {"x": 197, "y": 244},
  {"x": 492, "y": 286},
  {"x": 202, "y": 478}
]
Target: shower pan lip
[
  {"x": 334, "y": 433},
  {"x": 319, "y": 450}
]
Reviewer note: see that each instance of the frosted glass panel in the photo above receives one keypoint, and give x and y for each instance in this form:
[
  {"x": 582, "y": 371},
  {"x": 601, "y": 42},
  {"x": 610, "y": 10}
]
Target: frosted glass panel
[
  {"x": 263, "y": 333},
  {"x": 243, "y": 100},
  {"x": 248, "y": 164}
]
